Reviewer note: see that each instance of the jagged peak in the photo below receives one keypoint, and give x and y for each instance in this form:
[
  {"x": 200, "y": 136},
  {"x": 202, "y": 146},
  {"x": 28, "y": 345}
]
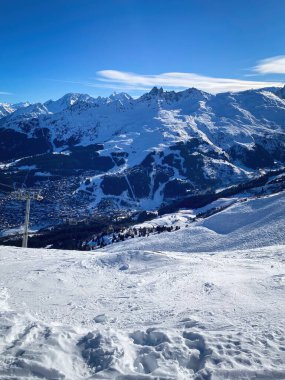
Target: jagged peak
[
  {"x": 66, "y": 101},
  {"x": 281, "y": 92},
  {"x": 70, "y": 98},
  {"x": 156, "y": 91},
  {"x": 21, "y": 105},
  {"x": 120, "y": 95},
  {"x": 159, "y": 93}
]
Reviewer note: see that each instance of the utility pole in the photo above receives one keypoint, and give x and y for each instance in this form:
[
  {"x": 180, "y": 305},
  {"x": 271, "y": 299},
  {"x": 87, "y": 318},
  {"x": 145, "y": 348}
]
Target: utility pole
[
  {"x": 27, "y": 220},
  {"x": 27, "y": 195}
]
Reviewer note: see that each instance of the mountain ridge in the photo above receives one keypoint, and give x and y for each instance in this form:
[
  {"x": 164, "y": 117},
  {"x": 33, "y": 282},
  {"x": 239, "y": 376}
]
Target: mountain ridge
[
  {"x": 72, "y": 98},
  {"x": 145, "y": 152}
]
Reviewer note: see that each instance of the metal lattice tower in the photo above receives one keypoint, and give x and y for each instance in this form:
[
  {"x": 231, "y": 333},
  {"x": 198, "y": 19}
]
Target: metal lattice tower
[{"x": 27, "y": 195}]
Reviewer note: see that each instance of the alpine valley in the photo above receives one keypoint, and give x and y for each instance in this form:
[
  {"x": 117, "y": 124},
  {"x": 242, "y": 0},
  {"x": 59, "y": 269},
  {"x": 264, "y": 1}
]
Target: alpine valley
[{"x": 90, "y": 155}]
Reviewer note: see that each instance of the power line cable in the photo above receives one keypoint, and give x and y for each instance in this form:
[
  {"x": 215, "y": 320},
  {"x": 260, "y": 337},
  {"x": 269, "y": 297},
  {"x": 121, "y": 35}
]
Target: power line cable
[{"x": 4, "y": 184}]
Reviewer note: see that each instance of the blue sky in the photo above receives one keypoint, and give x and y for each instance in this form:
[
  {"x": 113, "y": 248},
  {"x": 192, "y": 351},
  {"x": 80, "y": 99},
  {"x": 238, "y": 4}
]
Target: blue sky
[{"x": 49, "y": 48}]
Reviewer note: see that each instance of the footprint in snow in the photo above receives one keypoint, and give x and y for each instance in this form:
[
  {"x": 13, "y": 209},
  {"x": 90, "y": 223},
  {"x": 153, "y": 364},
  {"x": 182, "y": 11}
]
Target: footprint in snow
[{"x": 101, "y": 318}]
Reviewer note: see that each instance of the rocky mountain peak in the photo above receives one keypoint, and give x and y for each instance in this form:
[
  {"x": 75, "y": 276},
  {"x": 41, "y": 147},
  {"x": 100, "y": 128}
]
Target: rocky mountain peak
[{"x": 281, "y": 92}]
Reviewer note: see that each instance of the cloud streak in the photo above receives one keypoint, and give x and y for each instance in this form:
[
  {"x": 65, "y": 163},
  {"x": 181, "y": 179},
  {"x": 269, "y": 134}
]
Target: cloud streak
[
  {"x": 273, "y": 65},
  {"x": 5, "y": 93},
  {"x": 176, "y": 80},
  {"x": 101, "y": 84}
]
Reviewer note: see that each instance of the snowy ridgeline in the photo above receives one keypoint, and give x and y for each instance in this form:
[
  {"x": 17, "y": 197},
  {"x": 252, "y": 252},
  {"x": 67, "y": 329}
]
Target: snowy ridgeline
[
  {"x": 204, "y": 302},
  {"x": 141, "y": 153}
]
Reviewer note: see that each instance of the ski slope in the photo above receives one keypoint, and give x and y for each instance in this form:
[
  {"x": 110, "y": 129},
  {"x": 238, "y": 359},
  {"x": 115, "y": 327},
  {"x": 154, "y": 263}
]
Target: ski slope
[
  {"x": 247, "y": 224},
  {"x": 205, "y": 302}
]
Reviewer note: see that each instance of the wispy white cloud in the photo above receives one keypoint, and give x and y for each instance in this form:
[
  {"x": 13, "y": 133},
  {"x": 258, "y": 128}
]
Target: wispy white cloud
[
  {"x": 133, "y": 81},
  {"x": 273, "y": 65},
  {"x": 5, "y": 93},
  {"x": 99, "y": 82}
]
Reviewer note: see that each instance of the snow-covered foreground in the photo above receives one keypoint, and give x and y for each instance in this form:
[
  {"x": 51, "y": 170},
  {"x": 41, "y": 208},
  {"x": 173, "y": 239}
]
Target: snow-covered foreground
[
  {"x": 137, "y": 310},
  {"x": 142, "y": 314}
]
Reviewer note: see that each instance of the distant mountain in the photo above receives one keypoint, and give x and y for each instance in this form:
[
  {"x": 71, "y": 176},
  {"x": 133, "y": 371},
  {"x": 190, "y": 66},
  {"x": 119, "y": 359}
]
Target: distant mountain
[
  {"x": 142, "y": 153},
  {"x": 7, "y": 108},
  {"x": 68, "y": 100}
]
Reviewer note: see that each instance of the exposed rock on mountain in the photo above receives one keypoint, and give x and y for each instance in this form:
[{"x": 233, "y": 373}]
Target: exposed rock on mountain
[{"x": 147, "y": 151}]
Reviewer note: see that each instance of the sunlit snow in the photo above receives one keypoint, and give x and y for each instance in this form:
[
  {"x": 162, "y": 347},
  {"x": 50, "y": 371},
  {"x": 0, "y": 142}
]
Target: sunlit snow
[{"x": 204, "y": 302}]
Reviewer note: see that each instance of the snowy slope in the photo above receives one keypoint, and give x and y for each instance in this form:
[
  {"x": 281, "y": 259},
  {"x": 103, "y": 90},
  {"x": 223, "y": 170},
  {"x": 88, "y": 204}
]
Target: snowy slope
[
  {"x": 151, "y": 311},
  {"x": 244, "y": 225}
]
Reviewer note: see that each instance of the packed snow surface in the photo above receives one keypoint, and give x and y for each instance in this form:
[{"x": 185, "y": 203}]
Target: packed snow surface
[
  {"x": 140, "y": 310},
  {"x": 246, "y": 224}
]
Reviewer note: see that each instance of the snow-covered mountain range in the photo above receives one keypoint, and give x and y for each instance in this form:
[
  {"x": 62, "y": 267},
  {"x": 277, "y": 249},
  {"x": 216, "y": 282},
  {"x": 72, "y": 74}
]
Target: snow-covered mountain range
[{"x": 147, "y": 151}]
